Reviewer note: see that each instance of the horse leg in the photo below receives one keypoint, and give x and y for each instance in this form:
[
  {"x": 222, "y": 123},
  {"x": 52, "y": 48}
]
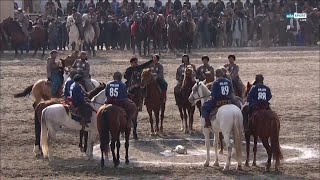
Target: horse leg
[
  {"x": 156, "y": 114},
  {"x": 86, "y": 134},
  {"x": 80, "y": 143},
  {"x": 37, "y": 128},
  {"x": 163, "y": 108},
  {"x": 221, "y": 142},
  {"x": 229, "y": 147},
  {"x": 268, "y": 148},
  {"x": 118, "y": 150},
  {"x": 113, "y": 145},
  {"x": 92, "y": 48},
  {"x": 215, "y": 144},
  {"x": 255, "y": 139},
  {"x": 181, "y": 116},
  {"x": 150, "y": 120},
  {"x": 185, "y": 120},
  {"x": 127, "y": 135},
  {"x": 247, "y": 136},
  {"x": 15, "y": 52},
  {"x": 43, "y": 49},
  {"x": 35, "y": 51},
  {"x": 206, "y": 133},
  {"x": 190, "y": 113},
  {"x": 135, "y": 124},
  {"x": 102, "y": 156}
]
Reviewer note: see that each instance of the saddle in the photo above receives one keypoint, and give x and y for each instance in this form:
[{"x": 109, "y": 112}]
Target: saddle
[
  {"x": 218, "y": 105},
  {"x": 71, "y": 112}
]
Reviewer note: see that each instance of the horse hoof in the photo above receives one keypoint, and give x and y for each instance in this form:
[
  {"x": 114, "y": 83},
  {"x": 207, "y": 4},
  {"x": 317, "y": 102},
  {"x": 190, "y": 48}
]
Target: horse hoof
[
  {"x": 254, "y": 164},
  {"x": 135, "y": 137},
  {"x": 206, "y": 164},
  {"x": 127, "y": 162},
  {"x": 186, "y": 131},
  {"x": 216, "y": 163},
  {"x": 246, "y": 164},
  {"x": 152, "y": 134},
  {"x": 221, "y": 152},
  {"x": 239, "y": 168}
]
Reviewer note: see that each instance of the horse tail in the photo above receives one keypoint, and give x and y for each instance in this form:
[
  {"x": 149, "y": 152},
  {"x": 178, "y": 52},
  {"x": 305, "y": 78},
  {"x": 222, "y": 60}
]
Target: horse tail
[
  {"x": 44, "y": 134},
  {"x": 275, "y": 145},
  {"x": 237, "y": 130},
  {"x": 104, "y": 136},
  {"x": 25, "y": 92}
]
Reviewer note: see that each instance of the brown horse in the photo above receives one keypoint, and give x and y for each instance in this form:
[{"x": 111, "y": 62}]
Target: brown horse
[
  {"x": 157, "y": 33},
  {"x": 153, "y": 100},
  {"x": 69, "y": 60},
  {"x": 111, "y": 118},
  {"x": 136, "y": 98},
  {"x": 186, "y": 35},
  {"x": 173, "y": 36},
  {"x": 264, "y": 124},
  {"x": 182, "y": 100},
  {"x": 18, "y": 39}
]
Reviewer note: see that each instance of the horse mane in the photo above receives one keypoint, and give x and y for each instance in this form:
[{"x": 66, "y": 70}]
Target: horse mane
[
  {"x": 248, "y": 87},
  {"x": 204, "y": 88},
  {"x": 96, "y": 90},
  {"x": 146, "y": 72}
]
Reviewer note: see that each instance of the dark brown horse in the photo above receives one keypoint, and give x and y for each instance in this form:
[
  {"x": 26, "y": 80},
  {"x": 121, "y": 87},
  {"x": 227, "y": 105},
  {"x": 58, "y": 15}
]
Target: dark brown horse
[
  {"x": 112, "y": 120},
  {"x": 157, "y": 33},
  {"x": 263, "y": 123},
  {"x": 183, "y": 103},
  {"x": 18, "y": 39},
  {"x": 173, "y": 36},
  {"x": 136, "y": 97},
  {"x": 153, "y": 100},
  {"x": 139, "y": 37},
  {"x": 186, "y": 36}
]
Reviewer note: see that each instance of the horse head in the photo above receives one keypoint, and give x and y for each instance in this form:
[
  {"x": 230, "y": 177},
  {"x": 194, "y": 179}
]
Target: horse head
[
  {"x": 248, "y": 87},
  {"x": 199, "y": 91},
  {"x": 146, "y": 77},
  {"x": 70, "y": 21},
  {"x": 160, "y": 21}
]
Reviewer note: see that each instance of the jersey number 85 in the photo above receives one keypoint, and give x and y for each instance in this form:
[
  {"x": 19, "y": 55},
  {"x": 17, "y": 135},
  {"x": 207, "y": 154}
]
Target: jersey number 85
[{"x": 113, "y": 92}]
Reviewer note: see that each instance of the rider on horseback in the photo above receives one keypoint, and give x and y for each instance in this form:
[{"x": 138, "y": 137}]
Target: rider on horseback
[
  {"x": 204, "y": 69},
  {"x": 82, "y": 67},
  {"x": 54, "y": 73},
  {"x": 24, "y": 19},
  {"x": 258, "y": 96},
  {"x": 93, "y": 19},
  {"x": 233, "y": 70},
  {"x": 186, "y": 15},
  {"x": 116, "y": 93},
  {"x": 137, "y": 19},
  {"x": 78, "y": 21},
  {"x": 132, "y": 75},
  {"x": 157, "y": 72},
  {"x": 77, "y": 96},
  {"x": 180, "y": 72},
  {"x": 150, "y": 15},
  {"x": 221, "y": 91}
]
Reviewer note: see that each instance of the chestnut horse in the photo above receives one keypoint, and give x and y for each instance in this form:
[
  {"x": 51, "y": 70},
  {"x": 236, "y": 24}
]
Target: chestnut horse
[
  {"x": 157, "y": 33},
  {"x": 264, "y": 124},
  {"x": 139, "y": 37},
  {"x": 186, "y": 36},
  {"x": 18, "y": 39},
  {"x": 112, "y": 119},
  {"x": 182, "y": 100},
  {"x": 173, "y": 36},
  {"x": 153, "y": 100},
  {"x": 44, "y": 104}
]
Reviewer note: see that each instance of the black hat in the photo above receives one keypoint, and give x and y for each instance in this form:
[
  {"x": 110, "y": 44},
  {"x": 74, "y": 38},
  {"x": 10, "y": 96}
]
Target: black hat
[
  {"x": 205, "y": 57},
  {"x": 232, "y": 56},
  {"x": 77, "y": 78},
  {"x": 133, "y": 59}
]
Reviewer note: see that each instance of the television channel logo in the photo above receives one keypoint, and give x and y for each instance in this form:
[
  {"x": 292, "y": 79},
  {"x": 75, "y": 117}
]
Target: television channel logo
[{"x": 296, "y": 15}]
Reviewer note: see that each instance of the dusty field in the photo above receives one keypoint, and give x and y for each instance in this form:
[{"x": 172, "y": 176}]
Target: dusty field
[{"x": 292, "y": 74}]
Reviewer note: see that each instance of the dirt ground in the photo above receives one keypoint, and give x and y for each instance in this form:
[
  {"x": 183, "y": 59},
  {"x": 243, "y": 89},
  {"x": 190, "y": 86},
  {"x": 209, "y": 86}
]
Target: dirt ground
[{"x": 291, "y": 73}]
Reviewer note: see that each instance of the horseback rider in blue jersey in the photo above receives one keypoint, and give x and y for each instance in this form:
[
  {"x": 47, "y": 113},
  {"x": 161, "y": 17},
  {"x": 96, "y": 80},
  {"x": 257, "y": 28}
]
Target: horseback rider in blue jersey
[
  {"x": 77, "y": 95},
  {"x": 221, "y": 90},
  {"x": 259, "y": 95},
  {"x": 117, "y": 94}
]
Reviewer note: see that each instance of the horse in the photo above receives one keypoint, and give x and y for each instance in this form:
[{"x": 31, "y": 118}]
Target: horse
[
  {"x": 18, "y": 38},
  {"x": 112, "y": 119},
  {"x": 187, "y": 33},
  {"x": 228, "y": 120},
  {"x": 69, "y": 60},
  {"x": 157, "y": 32},
  {"x": 173, "y": 36},
  {"x": 43, "y": 104},
  {"x": 153, "y": 100},
  {"x": 137, "y": 38},
  {"x": 90, "y": 36},
  {"x": 264, "y": 124},
  {"x": 41, "y": 90},
  {"x": 136, "y": 97},
  {"x": 182, "y": 101},
  {"x": 53, "y": 118},
  {"x": 74, "y": 35}
]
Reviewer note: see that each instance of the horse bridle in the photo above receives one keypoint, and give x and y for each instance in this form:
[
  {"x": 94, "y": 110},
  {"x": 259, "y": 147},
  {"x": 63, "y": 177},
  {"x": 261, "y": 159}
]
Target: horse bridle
[{"x": 195, "y": 99}]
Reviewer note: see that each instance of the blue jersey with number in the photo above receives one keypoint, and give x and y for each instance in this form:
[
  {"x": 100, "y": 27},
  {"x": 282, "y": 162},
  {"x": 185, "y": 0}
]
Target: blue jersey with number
[
  {"x": 259, "y": 93},
  {"x": 77, "y": 94},
  {"x": 221, "y": 89},
  {"x": 116, "y": 90}
]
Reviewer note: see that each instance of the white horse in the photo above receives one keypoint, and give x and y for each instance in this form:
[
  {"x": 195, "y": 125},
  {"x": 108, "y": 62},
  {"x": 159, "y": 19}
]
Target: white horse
[
  {"x": 229, "y": 121},
  {"x": 55, "y": 116},
  {"x": 89, "y": 33},
  {"x": 74, "y": 35}
]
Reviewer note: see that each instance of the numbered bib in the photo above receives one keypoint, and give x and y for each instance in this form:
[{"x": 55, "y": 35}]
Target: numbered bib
[
  {"x": 225, "y": 90},
  {"x": 262, "y": 96},
  {"x": 113, "y": 92}
]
